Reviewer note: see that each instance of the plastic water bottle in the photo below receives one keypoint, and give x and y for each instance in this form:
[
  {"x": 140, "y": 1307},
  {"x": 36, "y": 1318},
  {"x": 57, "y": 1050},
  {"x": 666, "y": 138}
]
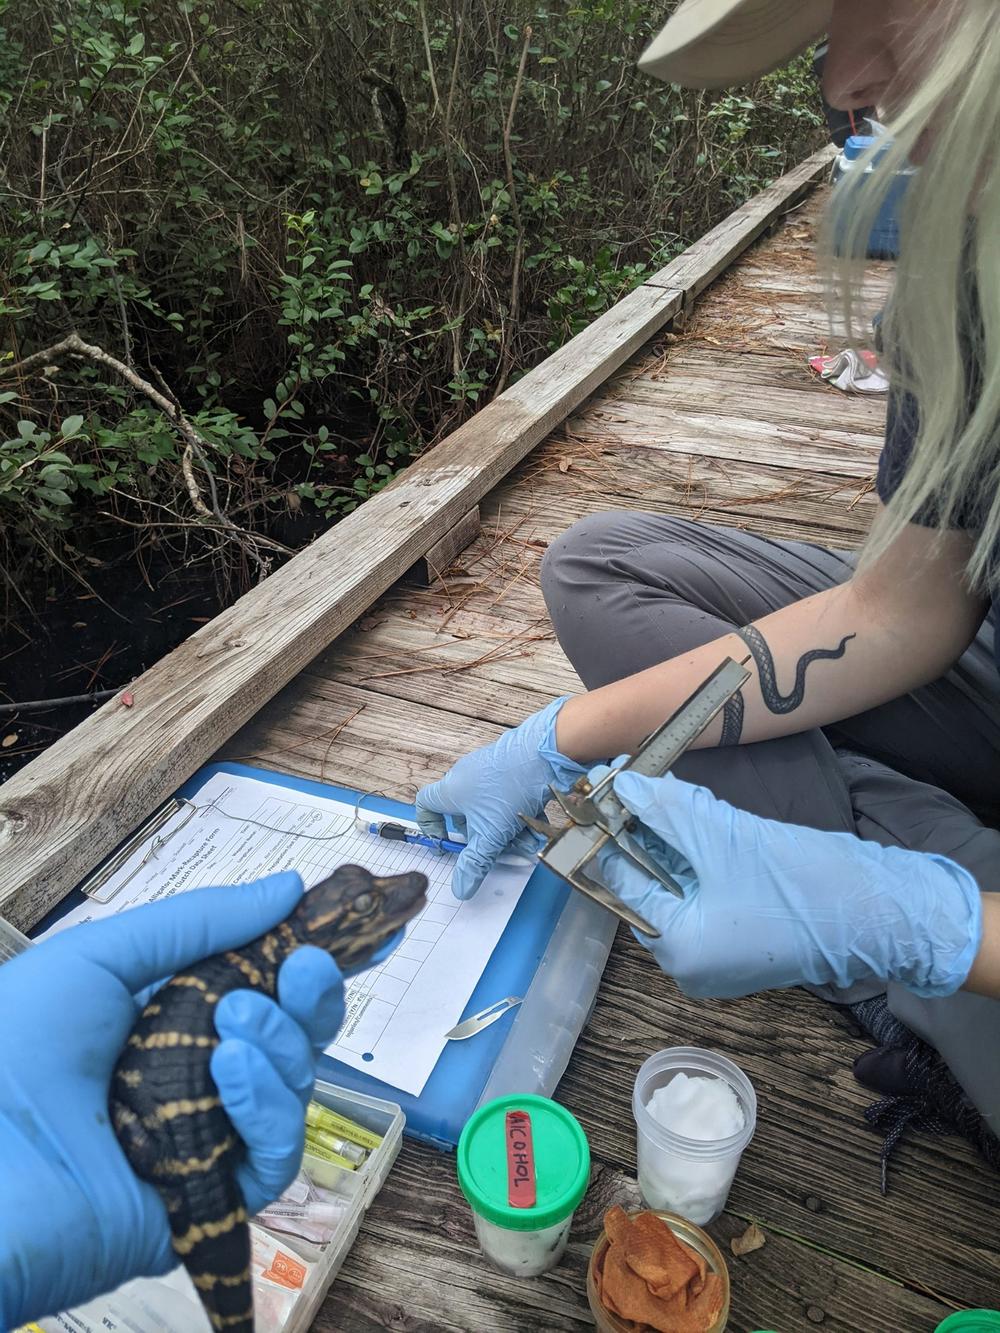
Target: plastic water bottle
[{"x": 883, "y": 242}]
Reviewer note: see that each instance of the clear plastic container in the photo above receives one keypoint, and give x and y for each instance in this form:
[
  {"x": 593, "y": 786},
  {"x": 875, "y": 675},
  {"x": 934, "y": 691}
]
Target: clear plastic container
[
  {"x": 557, "y": 1004},
  {"x": 688, "y": 1176},
  {"x": 883, "y": 241},
  {"x": 12, "y": 942},
  {"x": 523, "y": 1165},
  {"x": 522, "y": 1253},
  {"x": 171, "y": 1305},
  {"x": 690, "y": 1235},
  {"x": 360, "y": 1187}
]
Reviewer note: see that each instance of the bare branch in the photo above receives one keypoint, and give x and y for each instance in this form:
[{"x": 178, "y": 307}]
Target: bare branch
[
  {"x": 430, "y": 57},
  {"x": 515, "y": 277},
  {"x": 195, "y": 445}
]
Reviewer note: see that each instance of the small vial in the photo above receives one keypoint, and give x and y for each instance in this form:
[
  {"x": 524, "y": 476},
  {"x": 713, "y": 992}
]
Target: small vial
[
  {"x": 695, "y": 1112},
  {"x": 523, "y": 1165}
]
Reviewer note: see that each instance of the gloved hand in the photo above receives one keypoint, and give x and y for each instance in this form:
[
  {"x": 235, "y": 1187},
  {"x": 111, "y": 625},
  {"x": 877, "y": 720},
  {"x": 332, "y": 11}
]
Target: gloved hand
[
  {"x": 768, "y": 905},
  {"x": 74, "y": 1218},
  {"x": 488, "y": 789}
]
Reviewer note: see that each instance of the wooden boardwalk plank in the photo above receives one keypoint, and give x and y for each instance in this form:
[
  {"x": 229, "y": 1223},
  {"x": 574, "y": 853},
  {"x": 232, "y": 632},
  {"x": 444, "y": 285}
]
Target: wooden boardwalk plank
[
  {"x": 812, "y": 1168},
  {"x": 702, "y": 262},
  {"x": 804, "y": 505},
  {"x": 720, "y": 422},
  {"x": 764, "y": 445},
  {"x": 424, "y": 1250}
]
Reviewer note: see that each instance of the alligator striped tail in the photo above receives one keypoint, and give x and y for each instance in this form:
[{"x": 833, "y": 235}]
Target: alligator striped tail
[{"x": 216, "y": 1253}]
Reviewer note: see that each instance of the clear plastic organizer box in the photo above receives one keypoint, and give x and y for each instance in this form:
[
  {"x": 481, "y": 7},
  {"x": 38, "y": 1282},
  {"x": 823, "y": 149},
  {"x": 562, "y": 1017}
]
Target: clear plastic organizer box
[
  {"x": 383, "y": 1118},
  {"x": 170, "y": 1304}
]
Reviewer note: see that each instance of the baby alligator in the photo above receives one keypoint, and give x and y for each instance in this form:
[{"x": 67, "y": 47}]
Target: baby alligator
[{"x": 165, "y": 1106}]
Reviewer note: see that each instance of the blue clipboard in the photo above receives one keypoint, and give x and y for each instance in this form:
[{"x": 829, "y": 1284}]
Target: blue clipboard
[{"x": 453, "y": 1090}]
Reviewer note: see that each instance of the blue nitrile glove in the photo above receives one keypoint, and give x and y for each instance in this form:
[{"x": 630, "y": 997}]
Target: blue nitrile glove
[
  {"x": 74, "y": 1218},
  {"x": 488, "y": 789},
  {"x": 768, "y": 905}
]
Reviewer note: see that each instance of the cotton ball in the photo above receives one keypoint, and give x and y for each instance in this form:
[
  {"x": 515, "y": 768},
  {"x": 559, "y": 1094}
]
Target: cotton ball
[{"x": 703, "y": 1109}]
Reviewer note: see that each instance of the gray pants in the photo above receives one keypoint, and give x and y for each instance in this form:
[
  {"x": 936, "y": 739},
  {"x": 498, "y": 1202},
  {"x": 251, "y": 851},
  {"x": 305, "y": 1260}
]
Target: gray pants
[{"x": 626, "y": 591}]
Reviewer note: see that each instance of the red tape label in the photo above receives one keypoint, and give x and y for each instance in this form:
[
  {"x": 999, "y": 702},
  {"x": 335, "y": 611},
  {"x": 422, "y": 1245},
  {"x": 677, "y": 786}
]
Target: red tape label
[{"x": 520, "y": 1160}]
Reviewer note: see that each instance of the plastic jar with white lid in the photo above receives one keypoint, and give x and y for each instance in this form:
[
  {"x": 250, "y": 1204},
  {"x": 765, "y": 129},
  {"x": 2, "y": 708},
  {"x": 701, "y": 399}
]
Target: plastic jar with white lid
[
  {"x": 689, "y": 1175},
  {"x": 523, "y": 1165}
]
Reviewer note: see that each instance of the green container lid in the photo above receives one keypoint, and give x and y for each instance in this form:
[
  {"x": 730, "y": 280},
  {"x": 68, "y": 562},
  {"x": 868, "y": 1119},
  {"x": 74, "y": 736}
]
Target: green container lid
[
  {"x": 971, "y": 1321},
  {"x": 562, "y": 1163}
]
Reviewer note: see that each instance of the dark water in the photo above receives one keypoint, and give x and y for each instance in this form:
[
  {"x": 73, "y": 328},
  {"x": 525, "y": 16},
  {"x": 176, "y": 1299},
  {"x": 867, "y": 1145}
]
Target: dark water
[{"x": 81, "y": 642}]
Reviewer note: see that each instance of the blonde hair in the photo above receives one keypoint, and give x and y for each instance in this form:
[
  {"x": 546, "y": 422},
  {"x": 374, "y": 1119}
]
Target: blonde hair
[{"x": 941, "y": 329}]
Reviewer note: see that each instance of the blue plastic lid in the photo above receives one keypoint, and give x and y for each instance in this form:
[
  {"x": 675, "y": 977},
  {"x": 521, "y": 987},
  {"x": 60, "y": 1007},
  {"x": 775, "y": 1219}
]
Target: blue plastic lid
[{"x": 857, "y": 145}]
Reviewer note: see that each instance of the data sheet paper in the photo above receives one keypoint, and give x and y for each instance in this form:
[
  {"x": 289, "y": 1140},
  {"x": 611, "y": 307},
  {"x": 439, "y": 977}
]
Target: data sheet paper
[{"x": 397, "y": 1012}]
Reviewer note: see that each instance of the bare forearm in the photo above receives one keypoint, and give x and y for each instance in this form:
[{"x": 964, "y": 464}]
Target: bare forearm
[
  {"x": 984, "y": 978},
  {"x": 812, "y": 663}
]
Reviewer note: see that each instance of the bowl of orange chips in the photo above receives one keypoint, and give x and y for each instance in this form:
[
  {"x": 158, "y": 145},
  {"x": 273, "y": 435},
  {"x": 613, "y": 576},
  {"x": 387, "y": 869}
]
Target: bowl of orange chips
[{"x": 655, "y": 1272}]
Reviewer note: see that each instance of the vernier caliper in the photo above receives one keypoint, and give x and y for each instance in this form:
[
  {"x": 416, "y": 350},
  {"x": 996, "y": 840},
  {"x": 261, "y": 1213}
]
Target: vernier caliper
[{"x": 598, "y": 817}]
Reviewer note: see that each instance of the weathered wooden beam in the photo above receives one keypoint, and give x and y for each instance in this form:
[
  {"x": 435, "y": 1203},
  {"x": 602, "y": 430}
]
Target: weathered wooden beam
[
  {"x": 431, "y": 566},
  {"x": 69, "y": 808},
  {"x": 702, "y": 262}
]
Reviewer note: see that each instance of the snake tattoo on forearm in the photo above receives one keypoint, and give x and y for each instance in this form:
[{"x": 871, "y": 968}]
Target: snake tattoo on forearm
[
  {"x": 774, "y": 700},
  {"x": 732, "y": 720}
]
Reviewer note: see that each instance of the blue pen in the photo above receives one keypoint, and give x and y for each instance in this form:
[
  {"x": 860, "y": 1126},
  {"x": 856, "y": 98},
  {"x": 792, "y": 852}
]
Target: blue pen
[{"x": 400, "y": 833}]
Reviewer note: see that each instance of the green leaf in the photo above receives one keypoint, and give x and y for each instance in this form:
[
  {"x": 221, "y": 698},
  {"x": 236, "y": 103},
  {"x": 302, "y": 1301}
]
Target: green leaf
[{"x": 70, "y": 427}]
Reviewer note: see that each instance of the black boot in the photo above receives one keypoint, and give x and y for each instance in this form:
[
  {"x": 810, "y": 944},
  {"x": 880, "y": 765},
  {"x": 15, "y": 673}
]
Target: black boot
[{"x": 917, "y": 1088}]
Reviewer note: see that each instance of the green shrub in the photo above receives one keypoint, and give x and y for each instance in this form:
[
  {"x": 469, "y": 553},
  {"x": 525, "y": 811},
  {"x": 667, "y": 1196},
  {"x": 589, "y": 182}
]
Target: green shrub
[{"x": 332, "y": 229}]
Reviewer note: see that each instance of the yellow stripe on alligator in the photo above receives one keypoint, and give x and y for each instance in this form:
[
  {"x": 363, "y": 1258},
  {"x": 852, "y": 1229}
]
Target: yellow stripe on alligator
[
  {"x": 252, "y": 973},
  {"x": 182, "y": 1106},
  {"x": 198, "y": 1232},
  {"x": 158, "y": 1040},
  {"x": 188, "y": 1166},
  {"x": 195, "y": 983},
  {"x": 123, "y": 1115},
  {"x": 130, "y": 1077},
  {"x": 206, "y": 1281},
  {"x": 224, "y": 1321}
]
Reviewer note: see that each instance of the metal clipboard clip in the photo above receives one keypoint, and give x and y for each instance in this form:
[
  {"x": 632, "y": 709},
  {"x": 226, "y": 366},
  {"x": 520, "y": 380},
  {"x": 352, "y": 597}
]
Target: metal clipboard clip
[
  {"x": 97, "y": 885},
  {"x": 598, "y": 817}
]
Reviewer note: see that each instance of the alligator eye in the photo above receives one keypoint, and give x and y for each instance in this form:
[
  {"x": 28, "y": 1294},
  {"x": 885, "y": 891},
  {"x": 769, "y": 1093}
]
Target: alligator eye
[{"x": 364, "y": 903}]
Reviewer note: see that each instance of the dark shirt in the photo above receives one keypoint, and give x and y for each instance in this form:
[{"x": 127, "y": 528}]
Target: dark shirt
[
  {"x": 900, "y": 437},
  {"x": 901, "y": 427},
  {"x": 903, "y": 419}
]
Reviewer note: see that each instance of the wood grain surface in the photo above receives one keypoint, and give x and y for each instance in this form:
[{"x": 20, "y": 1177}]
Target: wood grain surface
[
  {"x": 721, "y": 422},
  {"x": 764, "y": 444},
  {"x": 702, "y": 262},
  {"x": 69, "y": 808}
]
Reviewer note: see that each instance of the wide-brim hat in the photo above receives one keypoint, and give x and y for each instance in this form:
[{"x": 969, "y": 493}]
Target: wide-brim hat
[{"x": 719, "y": 43}]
